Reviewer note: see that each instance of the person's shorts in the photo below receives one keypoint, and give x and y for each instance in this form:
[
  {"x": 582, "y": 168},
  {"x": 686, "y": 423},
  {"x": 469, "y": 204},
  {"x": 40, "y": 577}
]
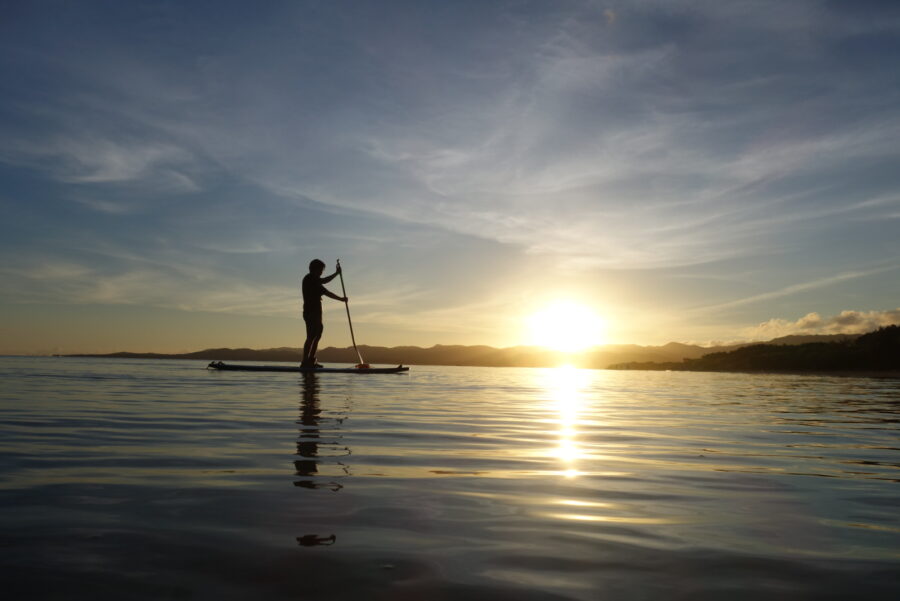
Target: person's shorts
[{"x": 314, "y": 326}]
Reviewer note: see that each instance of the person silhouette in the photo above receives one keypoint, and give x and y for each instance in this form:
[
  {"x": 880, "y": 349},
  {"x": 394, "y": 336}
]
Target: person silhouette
[{"x": 313, "y": 288}]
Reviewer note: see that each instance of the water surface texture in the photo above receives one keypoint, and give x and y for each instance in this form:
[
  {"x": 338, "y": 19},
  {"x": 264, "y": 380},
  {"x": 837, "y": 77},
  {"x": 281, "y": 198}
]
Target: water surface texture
[{"x": 160, "y": 480}]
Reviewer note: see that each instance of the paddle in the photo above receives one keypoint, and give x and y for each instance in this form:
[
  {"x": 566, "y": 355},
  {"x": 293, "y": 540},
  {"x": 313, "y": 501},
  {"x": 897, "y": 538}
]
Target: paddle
[{"x": 361, "y": 364}]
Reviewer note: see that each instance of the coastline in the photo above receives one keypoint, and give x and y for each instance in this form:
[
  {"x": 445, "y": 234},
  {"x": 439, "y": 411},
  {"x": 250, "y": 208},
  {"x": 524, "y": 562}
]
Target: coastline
[
  {"x": 839, "y": 373},
  {"x": 844, "y": 373}
]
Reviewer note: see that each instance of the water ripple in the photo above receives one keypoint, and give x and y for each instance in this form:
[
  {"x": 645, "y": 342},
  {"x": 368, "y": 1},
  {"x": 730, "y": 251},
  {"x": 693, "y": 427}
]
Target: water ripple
[{"x": 525, "y": 483}]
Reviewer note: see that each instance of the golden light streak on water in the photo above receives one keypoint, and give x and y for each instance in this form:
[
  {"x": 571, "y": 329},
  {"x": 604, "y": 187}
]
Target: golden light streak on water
[
  {"x": 613, "y": 519},
  {"x": 565, "y": 387}
]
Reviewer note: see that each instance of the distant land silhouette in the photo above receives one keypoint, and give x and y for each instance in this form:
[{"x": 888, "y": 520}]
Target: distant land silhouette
[
  {"x": 622, "y": 356},
  {"x": 877, "y": 351}
]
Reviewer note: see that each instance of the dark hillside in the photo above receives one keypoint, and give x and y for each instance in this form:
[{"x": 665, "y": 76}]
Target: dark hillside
[{"x": 875, "y": 351}]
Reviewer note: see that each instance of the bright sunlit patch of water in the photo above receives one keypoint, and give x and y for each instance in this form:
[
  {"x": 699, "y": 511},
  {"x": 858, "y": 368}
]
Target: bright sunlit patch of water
[
  {"x": 566, "y": 386},
  {"x": 142, "y": 479}
]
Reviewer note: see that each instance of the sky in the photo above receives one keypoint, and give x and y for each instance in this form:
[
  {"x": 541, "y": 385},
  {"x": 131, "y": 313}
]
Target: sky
[{"x": 692, "y": 171}]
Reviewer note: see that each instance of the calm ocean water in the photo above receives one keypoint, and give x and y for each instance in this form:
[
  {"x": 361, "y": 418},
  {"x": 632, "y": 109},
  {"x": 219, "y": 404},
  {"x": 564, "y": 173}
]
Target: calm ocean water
[{"x": 133, "y": 479}]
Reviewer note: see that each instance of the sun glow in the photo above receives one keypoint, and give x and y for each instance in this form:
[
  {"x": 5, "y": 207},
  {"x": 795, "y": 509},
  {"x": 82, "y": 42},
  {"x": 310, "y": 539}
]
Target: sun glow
[{"x": 566, "y": 326}]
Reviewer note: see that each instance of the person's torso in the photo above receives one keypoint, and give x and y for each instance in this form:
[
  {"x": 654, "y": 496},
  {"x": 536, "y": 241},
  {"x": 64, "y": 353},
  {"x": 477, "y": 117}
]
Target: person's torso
[{"x": 312, "y": 294}]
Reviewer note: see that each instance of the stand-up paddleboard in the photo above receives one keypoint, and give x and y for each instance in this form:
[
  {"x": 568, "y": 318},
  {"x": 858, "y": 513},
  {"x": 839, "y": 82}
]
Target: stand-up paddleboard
[{"x": 308, "y": 370}]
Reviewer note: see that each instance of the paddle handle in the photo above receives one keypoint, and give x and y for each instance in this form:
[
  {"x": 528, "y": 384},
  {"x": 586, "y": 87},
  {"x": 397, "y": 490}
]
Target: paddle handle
[{"x": 347, "y": 307}]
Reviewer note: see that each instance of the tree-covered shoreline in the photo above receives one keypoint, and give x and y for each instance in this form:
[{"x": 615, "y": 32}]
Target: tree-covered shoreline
[{"x": 877, "y": 351}]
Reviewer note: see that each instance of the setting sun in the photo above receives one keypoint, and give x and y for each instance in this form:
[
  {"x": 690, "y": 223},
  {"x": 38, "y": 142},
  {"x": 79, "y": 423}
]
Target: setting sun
[{"x": 566, "y": 326}]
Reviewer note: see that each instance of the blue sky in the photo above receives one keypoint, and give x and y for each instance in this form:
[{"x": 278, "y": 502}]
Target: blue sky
[{"x": 691, "y": 171}]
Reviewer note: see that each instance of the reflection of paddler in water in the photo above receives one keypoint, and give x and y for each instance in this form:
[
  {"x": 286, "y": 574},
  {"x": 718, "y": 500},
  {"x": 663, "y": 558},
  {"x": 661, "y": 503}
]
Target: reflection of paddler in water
[
  {"x": 309, "y": 439},
  {"x": 308, "y": 450},
  {"x": 308, "y": 442}
]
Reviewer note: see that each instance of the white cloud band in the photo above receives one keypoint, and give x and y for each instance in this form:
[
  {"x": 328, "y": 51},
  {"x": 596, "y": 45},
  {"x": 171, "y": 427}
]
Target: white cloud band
[{"x": 846, "y": 322}]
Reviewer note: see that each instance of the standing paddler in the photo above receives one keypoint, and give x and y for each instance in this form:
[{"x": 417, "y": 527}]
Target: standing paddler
[{"x": 313, "y": 288}]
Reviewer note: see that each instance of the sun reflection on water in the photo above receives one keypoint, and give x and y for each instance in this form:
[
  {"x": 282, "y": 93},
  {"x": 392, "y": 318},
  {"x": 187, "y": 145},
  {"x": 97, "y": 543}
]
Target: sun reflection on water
[
  {"x": 572, "y": 405},
  {"x": 565, "y": 386}
]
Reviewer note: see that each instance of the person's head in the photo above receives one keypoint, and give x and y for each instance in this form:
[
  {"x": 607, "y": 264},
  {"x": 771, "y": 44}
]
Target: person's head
[{"x": 316, "y": 266}]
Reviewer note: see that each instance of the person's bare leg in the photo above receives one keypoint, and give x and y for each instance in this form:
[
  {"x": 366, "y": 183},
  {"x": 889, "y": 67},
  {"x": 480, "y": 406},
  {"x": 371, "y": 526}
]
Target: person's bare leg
[
  {"x": 309, "y": 344},
  {"x": 313, "y": 347},
  {"x": 313, "y": 335}
]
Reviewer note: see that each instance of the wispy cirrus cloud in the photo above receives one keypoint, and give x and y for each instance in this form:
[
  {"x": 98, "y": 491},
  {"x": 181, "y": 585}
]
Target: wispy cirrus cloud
[
  {"x": 187, "y": 288},
  {"x": 620, "y": 138},
  {"x": 95, "y": 159},
  {"x": 797, "y": 288},
  {"x": 667, "y": 154}
]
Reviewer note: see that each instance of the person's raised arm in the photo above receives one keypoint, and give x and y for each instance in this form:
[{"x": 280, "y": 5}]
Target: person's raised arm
[{"x": 333, "y": 275}]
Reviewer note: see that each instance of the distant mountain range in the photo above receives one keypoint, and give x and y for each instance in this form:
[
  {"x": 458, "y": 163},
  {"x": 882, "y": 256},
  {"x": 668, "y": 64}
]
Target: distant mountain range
[
  {"x": 877, "y": 351},
  {"x": 486, "y": 356}
]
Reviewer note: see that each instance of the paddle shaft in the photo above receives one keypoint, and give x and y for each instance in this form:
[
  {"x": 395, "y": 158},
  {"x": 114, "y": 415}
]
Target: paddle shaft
[{"x": 349, "y": 321}]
